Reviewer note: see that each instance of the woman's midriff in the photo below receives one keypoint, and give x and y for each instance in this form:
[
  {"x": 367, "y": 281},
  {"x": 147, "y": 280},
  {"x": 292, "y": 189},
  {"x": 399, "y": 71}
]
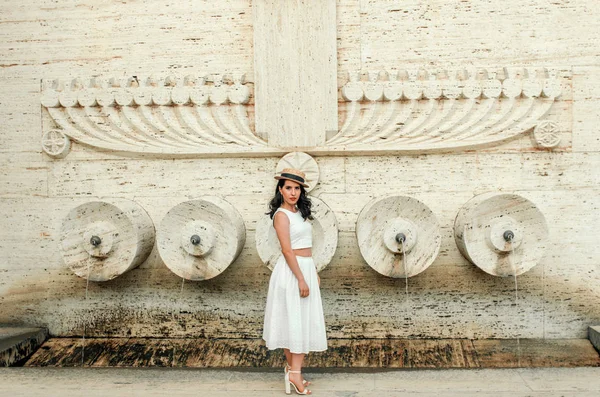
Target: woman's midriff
[{"x": 303, "y": 252}]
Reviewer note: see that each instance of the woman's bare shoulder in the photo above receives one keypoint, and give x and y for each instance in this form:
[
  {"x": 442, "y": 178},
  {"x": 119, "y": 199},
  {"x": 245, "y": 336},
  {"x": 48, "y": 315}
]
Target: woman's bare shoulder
[{"x": 281, "y": 216}]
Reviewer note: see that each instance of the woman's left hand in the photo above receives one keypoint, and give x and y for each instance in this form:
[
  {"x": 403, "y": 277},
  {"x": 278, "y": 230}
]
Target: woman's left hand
[{"x": 319, "y": 280}]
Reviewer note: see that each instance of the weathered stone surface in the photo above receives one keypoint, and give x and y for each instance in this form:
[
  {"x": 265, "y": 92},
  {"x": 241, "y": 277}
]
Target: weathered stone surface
[
  {"x": 198, "y": 239},
  {"x": 452, "y": 298},
  {"x": 535, "y": 353},
  {"x": 594, "y": 336},
  {"x": 23, "y": 174},
  {"x": 20, "y": 113},
  {"x": 151, "y": 39},
  {"x": 295, "y": 62},
  {"x": 586, "y": 108},
  {"x": 17, "y": 344},
  {"x": 101, "y": 240},
  {"x": 567, "y": 288},
  {"x": 476, "y": 173},
  {"x": 502, "y": 234},
  {"x": 342, "y": 353},
  {"x": 435, "y": 33},
  {"x": 398, "y": 236}
]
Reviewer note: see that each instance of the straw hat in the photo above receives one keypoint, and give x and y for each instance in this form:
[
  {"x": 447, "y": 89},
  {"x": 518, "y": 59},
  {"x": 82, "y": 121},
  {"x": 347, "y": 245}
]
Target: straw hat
[{"x": 293, "y": 175}]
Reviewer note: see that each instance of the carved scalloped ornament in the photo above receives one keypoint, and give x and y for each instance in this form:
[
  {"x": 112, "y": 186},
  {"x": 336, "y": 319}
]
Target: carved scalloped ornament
[
  {"x": 169, "y": 116},
  {"x": 418, "y": 110},
  {"x": 407, "y": 111}
]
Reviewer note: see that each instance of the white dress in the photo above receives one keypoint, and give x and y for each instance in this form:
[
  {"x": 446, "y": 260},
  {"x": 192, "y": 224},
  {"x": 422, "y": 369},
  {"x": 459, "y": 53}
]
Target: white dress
[{"x": 293, "y": 322}]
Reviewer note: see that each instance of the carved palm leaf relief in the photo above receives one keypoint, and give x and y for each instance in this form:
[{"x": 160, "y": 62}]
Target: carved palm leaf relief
[
  {"x": 423, "y": 112},
  {"x": 160, "y": 117},
  {"x": 399, "y": 111}
]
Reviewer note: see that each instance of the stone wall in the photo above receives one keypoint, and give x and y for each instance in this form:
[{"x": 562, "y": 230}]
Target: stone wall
[{"x": 451, "y": 299}]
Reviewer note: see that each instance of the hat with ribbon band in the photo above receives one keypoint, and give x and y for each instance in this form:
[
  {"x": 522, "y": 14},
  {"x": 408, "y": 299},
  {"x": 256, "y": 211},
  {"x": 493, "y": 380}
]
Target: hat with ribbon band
[{"x": 293, "y": 175}]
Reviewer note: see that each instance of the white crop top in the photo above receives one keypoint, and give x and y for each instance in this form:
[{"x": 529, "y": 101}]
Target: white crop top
[{"x": 300, "y": 230}]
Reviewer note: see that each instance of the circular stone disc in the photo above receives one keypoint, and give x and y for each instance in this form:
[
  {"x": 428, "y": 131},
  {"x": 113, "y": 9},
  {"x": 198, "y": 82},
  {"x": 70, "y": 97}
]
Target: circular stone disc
[
  {"x": 219, "y": 226},
  {"x": 371, "y": 231},
  {"x": 325, "y": 237},
  {"x": 126, "y": 233},
  {"x": 303, "y": 162},
  {"x": 482, "y": 221}
]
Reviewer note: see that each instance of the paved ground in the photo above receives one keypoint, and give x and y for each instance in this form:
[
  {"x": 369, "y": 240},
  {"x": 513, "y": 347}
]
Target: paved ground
[{"x": 116, "y": 382}]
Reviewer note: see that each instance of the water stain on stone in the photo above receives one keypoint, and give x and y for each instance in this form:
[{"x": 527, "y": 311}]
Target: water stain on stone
[{"x": 342, "y": 353}]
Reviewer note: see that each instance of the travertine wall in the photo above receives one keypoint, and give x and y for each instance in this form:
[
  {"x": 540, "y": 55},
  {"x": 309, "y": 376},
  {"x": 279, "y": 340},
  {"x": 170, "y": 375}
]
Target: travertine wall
[{"x": 452, "y": 298}]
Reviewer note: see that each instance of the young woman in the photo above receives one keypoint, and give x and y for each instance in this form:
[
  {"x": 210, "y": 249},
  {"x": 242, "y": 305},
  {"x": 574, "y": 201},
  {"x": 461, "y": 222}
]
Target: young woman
[{"x": 294, "y": 314}]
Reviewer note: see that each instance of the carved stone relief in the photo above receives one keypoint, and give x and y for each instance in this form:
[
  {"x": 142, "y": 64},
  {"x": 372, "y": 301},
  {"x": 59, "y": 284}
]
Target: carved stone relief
[
  {"x": 100, "y": 240},
  {"x": 502, "y": 234},
  {"x": 546, "y": 134},
  {"x": 434, "y": 110},
  {"x": 303, "y": 162},
  {"x": 199, "y": 239},
  {"x": 56, "y": 144},
  {"x": 398, "y": 236},
  {"x": 167, "y": 116},
  {"x": 407, "y": 111}
]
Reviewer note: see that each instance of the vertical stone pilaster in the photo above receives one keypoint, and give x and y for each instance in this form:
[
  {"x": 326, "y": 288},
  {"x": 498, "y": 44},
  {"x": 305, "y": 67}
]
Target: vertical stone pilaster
[{"x": 295, "y": 71}]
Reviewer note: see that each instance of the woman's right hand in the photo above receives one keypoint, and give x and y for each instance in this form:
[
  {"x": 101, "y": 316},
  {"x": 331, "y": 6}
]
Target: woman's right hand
[{"x": 303, "y": 288}]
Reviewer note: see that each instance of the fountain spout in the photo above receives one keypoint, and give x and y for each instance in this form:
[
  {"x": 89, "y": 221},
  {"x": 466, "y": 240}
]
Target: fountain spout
[
  {"x": 95, "y": 241},
  {"x": 400, "y": 239},
  {"x": 508, "y": 235}
]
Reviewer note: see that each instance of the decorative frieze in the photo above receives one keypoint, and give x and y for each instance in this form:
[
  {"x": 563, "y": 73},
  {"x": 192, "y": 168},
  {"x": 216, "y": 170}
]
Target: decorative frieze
[
  {"x": 391, "y": 112},
  {"x": 161, "y": 116},
  {"x": 424, "y": 110}
]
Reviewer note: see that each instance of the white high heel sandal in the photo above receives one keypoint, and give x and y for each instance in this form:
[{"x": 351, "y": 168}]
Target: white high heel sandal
[
  {"x": 288, "y": 382},
  {"x": 304, "y": 381}
]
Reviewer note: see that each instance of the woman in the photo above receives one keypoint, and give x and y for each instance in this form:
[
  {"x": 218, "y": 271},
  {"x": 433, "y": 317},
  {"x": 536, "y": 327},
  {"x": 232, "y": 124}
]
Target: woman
[{"x": 294, "y": 314}]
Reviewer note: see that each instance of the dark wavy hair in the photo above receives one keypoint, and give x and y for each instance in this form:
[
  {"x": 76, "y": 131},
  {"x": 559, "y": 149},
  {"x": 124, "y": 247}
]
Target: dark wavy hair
[{"x": 304, "y": 204}]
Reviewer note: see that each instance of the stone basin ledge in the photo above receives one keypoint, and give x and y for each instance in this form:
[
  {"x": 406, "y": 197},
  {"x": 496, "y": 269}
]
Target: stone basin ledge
[
  {"x": 17, "y": 343},
  {"x": 594, "y": 336}
]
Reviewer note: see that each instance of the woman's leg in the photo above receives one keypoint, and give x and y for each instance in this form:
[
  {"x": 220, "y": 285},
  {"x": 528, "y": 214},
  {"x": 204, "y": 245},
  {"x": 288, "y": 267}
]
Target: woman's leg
[
  {"x": 297, "y": 378},
  {"x": 288, "y": 357}
]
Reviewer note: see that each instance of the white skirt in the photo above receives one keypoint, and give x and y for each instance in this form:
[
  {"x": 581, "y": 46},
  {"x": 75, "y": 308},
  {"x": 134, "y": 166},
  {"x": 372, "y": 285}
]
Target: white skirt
[{"x": 292, "y": 322}]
